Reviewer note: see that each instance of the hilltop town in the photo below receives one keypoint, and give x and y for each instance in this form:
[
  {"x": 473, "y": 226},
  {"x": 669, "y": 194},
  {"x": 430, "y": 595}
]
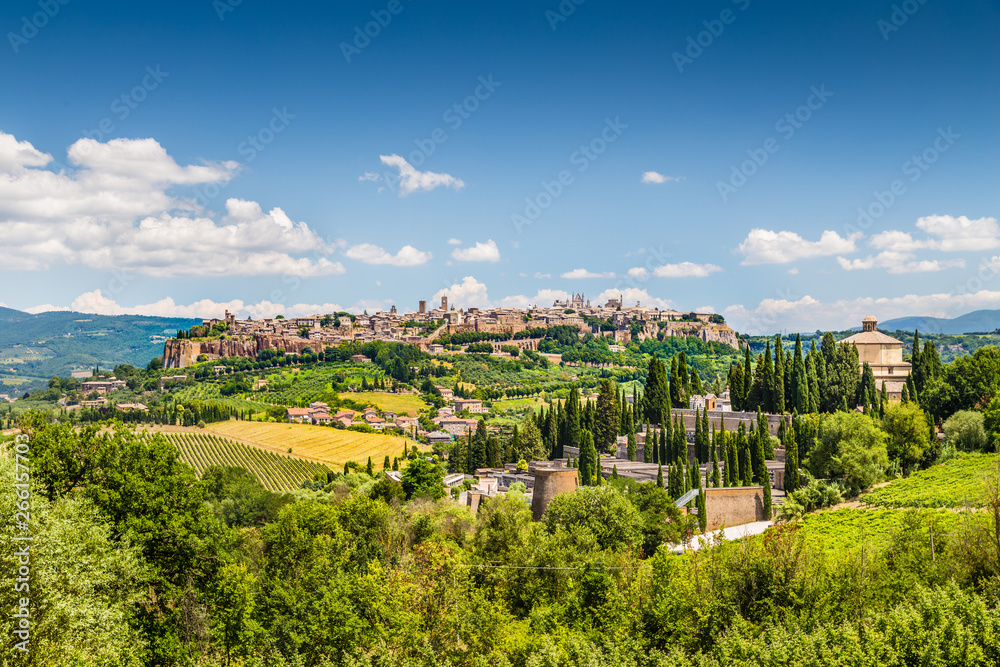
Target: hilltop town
[{"x": 620, "y": 324}]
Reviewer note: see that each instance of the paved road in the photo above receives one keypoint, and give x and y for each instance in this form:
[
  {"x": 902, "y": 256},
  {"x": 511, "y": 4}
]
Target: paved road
[{"x": 734, "y": 533}]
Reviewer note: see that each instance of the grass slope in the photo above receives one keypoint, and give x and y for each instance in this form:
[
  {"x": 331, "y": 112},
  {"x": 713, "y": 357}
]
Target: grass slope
[
  {"x": 954, "y": 483},
  {"x": 851, "y": 529},
  {"x": 275, "y": 471},
  {"x": 402, "y": 404},
  {"x": 319, "y": 443}
]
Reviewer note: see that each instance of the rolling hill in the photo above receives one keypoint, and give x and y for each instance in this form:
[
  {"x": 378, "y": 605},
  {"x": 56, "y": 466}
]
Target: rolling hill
[
  {"x": 60, "y": 342},
  {"x": 976, "y": 321}
]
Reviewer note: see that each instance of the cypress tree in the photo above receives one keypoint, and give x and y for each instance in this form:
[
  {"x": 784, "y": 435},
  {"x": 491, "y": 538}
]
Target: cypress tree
[
  {"x": 812, "y": 364},
  {"x": 747, "y": 379},
  {"x": 634, "y": 413},
  {"x": 631, "y": 446},
  {"x": 682, "y": 368},
  {"x": 346, "y": 469},
  {"x": 664, "y": 446},
  {"x": 704, "y": 433},
  {"x": 743, "y": 456},
  {"x": 697, "y": 437},
  {"x": 368, "y": 468},
  {"x": 911, "y": 388},
  {"x": 791, "y": 460},
  {"x": 668, "y": 437},
  {"x": 778, "y": 393},
  {"x": 651, "y": 443},
  {"x": 766, "y": 372},
  {"x": 702, "y": 514},
  {"x": 614, "y": 472},
  {"x": 659, "y": 476},
  {"x": 587, "y": 460},
  {"x": 386, "y": 464},
  {"x": 676, "y": 386},
  {"x": 736, "y": 386},
  {"x": 572, "y": 417},
  {"x": 716, "y": 474},
  {"x": 800, "y": 378},
  {"x": 647, "y": 450},
  {"x": 680, "y": 439},
  {"x": 768, "y": 511},
  {"x": 732, "y": 461}
]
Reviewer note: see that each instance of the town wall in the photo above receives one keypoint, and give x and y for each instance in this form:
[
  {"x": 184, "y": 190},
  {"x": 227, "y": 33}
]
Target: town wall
[{"x": 734, "y": 506}]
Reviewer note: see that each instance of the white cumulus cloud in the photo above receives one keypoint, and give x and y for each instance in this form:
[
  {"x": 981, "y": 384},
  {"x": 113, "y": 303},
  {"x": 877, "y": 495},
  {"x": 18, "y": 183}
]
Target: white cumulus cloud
[
  {"x": 764, "y": 246},
  {"x": 578, "y": 274},
  {"x": 656, "y": 177},
  {"x": 898, "y": 262},
  {"x": 369, "y": 253},
  {"x": 469, "y": 292},
  {"x": 411, "y": 179},
  {"x": 113, "y": 208},
  {"x": 480, "y": 252}
]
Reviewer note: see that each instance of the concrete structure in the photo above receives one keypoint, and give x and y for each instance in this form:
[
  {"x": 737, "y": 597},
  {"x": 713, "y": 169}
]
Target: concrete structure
[
  {"x": 550, "y": 482},
  {"x": 734, "y": 506},
  {"x": 884, "y": 354}
]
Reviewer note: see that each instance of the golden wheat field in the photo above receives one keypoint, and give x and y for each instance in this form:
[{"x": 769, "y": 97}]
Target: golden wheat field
[{"x": 319, "y": 443}]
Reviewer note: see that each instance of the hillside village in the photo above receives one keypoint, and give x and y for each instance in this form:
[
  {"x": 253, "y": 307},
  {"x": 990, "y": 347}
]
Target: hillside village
[{"x": 619, "y": 323}]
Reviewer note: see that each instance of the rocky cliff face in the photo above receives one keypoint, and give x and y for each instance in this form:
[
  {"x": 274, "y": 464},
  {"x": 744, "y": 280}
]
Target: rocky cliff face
[{"x": 181, "y": 353}]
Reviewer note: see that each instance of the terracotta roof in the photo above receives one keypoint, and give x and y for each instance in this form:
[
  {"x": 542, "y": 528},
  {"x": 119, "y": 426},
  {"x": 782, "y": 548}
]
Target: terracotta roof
[{"x": 871, "y": 337}]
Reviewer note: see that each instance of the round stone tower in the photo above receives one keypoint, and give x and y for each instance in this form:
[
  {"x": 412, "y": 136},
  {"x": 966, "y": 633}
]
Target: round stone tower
[{"x": 550, "y": 482}]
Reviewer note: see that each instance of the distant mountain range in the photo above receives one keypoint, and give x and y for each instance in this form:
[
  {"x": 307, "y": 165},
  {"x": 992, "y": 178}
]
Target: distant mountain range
[
  {"x": 57, "y": 343},
  {"x": 976, "y": 321}
]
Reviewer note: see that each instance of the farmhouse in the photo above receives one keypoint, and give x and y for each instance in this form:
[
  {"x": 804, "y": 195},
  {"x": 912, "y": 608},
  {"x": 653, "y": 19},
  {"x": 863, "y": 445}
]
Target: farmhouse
[{"x": 473, "y": 405}]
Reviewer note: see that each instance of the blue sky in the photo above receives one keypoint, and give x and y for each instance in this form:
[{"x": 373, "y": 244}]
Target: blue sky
[{"x": 188, "y": 157}]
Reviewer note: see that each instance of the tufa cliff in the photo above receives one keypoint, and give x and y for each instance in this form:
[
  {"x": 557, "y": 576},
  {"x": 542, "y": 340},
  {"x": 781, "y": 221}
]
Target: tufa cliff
[{"x": 181, "y": 353}]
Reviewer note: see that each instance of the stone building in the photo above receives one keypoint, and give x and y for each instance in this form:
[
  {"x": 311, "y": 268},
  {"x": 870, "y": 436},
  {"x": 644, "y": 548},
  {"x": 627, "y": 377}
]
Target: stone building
[{"x": 884, "y": 354}]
